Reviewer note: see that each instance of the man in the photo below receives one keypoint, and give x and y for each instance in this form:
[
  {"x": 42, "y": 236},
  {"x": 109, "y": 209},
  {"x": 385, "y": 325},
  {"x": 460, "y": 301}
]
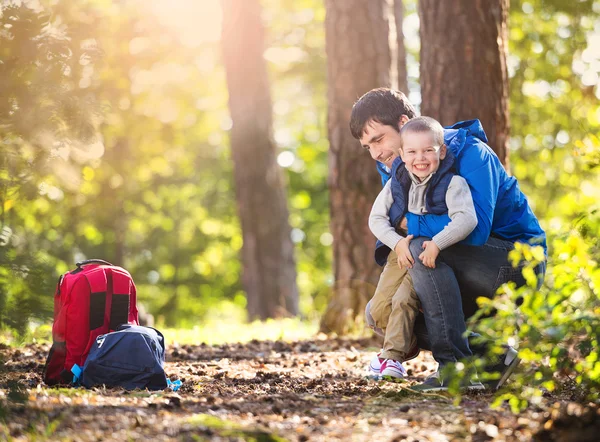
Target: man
[{"x": 465, "y": 271}]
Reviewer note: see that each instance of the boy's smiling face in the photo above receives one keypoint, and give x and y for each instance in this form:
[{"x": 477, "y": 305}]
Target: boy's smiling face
[{"x": 420, "y": 153}]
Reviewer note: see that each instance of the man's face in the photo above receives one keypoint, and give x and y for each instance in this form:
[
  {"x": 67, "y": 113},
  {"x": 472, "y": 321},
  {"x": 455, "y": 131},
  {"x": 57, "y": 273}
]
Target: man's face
[
  {"x": 420, "y": 153},
  {"x": 382, "y": 141}
]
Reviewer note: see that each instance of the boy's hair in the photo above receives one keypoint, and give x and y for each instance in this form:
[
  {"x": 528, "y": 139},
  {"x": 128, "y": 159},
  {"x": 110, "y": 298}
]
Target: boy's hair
[
  {"x": 382, "y": 105},
  {"x": 423, "y": 124}
]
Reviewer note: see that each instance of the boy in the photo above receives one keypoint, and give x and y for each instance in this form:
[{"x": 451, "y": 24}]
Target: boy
[{"x": 422, "y": 181}]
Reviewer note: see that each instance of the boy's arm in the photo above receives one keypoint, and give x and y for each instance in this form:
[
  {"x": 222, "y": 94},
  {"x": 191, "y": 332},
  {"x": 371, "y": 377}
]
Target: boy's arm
[
  {"x": 379, "y": 221},
  {"x": 461, "y": 212}
]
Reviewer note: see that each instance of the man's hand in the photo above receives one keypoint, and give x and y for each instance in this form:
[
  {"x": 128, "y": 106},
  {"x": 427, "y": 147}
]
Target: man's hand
[
  {"x": 405, "y": 258},
  {"x": 430, "y": 254}
]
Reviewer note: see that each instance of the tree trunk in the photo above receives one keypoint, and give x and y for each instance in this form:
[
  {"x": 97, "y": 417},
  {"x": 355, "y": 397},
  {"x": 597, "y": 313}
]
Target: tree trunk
[
  {"x": 358, "y": 59},
  {"x": 463, "y": 65},
  {"x": 400, "y": 48},
  {"x": 269, "y": 272}
]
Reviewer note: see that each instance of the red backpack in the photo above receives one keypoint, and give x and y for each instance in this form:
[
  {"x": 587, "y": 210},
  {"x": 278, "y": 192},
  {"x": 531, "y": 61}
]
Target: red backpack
[{"x": 92, "y": 300}]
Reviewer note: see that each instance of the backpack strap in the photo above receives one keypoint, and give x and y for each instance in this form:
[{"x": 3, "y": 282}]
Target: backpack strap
[
  {"x": 120, "y": 299},
  {"x": 96, "y": 278}
]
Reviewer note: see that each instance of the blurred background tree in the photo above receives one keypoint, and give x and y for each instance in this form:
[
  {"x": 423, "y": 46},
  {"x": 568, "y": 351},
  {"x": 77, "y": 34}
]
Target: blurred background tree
[
  {"x": 463, "y": 65},
  {"x": 358, "y": 59},
  {"x": 269, "y": 269},
  {"x": 115, "y": 134}
]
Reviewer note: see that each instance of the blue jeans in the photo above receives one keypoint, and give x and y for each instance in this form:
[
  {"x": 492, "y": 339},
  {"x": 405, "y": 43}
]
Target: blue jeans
[{"x": 448, "y": 293}]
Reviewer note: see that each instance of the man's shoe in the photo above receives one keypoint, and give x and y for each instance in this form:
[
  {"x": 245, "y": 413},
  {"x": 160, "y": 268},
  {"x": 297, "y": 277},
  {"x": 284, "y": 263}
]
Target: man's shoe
[
  {"x": 472, "y": 385},
  {"x": 392, "y": 370},
  {"x": 510, "y": 361},
  {"x": 503, "y": 367},
  {"x": 435, "y": 383},
  {"x": 432, "y": 383}
]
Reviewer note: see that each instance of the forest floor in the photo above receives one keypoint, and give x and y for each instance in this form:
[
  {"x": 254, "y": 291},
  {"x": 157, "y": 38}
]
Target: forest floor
[{"x": 273, "y": 391}]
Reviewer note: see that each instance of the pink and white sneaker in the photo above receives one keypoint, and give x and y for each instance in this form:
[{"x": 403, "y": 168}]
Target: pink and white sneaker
[
  {"x": 392, "y": 370},
  {"x": 375, "y": 367}
]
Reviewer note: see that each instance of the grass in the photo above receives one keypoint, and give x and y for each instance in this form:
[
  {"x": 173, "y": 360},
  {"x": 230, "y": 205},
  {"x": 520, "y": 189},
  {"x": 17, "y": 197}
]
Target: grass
[
  {"x": 221, "y": 332},
  {"x": 211, "y": 332},
  {"x": 229, "y": 429}
]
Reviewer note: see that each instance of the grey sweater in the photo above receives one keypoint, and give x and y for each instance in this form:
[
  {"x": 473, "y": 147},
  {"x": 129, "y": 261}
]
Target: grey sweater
[{"x": 460, "y": 210}]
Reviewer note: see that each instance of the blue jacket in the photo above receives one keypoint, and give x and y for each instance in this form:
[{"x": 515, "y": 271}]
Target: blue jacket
[{"x": 502, "y": 209}]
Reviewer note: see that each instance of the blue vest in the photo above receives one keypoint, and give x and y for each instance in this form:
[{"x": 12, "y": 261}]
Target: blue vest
[{"x": 435, "y": 196}]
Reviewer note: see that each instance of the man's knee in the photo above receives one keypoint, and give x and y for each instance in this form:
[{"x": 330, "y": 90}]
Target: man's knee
[{"x": 416, "y": 248}]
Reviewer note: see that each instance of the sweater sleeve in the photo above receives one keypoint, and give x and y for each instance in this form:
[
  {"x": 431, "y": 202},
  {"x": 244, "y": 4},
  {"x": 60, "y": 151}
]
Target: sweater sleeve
[
  {"x": 379, "y": 220},
  {"x": 461, "y": 210}
]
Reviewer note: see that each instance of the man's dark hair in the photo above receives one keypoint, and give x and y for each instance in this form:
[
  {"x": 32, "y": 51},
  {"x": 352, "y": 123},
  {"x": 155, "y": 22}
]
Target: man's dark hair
[{"x": 383, "y": 105}]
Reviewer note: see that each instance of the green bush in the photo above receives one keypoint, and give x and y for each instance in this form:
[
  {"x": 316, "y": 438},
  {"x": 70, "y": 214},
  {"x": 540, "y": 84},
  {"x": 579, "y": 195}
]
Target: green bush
[{"x": 557, "y": 327}]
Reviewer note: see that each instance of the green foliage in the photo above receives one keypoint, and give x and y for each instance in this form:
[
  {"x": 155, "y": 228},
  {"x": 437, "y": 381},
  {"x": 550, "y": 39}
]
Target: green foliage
[
  {"x": 42, "y": 113},
  {"x": 554, "y": 104},
  {"x": 151, "y": 186},
  {"x": 558, "y": 327},
  {"x": 554, "y": 117}
]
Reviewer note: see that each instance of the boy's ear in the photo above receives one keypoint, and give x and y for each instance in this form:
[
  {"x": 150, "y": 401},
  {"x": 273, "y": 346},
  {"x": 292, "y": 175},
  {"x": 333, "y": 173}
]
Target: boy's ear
[
  {"x": 402, "y": 121},
  {"x": 443, "y": 152}
]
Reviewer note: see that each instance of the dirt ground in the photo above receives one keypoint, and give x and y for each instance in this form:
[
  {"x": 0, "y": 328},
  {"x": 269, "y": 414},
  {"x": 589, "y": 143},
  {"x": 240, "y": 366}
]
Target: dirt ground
[{"x": 273, "y": 391}]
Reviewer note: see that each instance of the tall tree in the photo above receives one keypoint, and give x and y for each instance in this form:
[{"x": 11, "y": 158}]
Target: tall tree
[
  {"x": 400, "y": 48},
  {"x": 269, "y": 273},
  {"x": 463, "y": 65},
  {"x": 358, "y": 59}
]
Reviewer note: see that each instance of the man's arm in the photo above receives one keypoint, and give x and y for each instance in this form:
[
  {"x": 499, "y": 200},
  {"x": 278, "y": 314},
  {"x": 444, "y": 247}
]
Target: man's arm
[{"x": 478, "y": 165}]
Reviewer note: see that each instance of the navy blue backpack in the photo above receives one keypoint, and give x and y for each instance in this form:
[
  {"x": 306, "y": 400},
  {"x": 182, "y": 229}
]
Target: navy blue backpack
[{"x": 130, "y": 357}]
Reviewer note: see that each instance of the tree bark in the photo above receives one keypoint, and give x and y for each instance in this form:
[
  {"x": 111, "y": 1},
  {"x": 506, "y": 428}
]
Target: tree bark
[
  {"x": 401, "y": 49},
  {"x": 463, "y": 65},
  {"x": 269, "y": 273},
  {"x": 358, "y": 59}
]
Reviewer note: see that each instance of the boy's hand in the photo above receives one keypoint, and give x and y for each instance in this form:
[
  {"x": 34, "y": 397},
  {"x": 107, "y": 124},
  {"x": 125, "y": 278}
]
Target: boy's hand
[
  {"x": 405, "y": 258},
  {"x": 428, "y": 256}
]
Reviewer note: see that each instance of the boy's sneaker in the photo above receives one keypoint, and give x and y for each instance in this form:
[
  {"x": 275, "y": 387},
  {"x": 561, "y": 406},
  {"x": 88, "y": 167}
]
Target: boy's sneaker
[
  {"x": 392, "y": 370},
  {"x": 374, "y": 370},
  {"x": 375, "y": 366},
  {"x": 435, "y": 383}
]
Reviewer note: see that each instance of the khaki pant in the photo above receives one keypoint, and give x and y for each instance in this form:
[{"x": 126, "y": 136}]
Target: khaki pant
[{"x": 393, "y": 309}]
